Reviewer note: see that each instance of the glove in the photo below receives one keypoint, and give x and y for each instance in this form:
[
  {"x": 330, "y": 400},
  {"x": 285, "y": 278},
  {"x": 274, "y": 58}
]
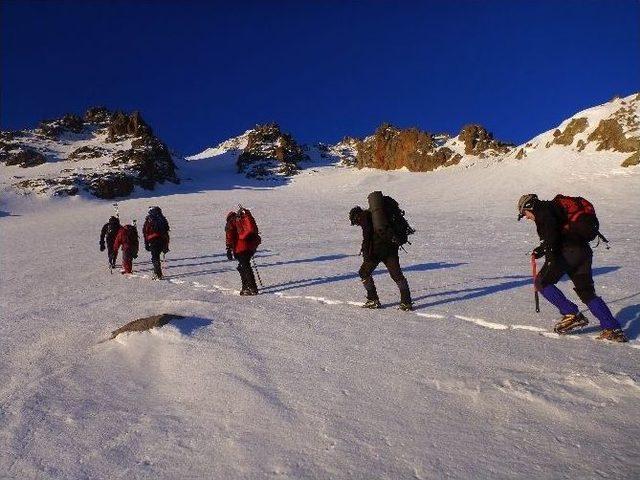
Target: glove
[
  {"x": 102, "y": 247},
  {"x": 538, "y": 252},
  {"x": 229, "y": 254},
  {"x": 135, "y": 255},
  {"x": 146, "y": 246}
]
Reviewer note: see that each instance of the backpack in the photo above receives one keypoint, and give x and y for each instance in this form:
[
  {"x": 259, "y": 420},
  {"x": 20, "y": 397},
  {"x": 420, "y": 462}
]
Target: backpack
[
  {"x": 399, "y": 227},
  {"x": 581, "y": 219},
  {"x": 247, "y": 227},
  {"x": 132, "y": 237},
  {"x": 158, "y": 224}
]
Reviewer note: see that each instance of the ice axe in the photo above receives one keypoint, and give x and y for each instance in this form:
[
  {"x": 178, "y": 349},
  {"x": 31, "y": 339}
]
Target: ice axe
[
  {"x": 534, "y": 272},
  {"x": 255, "y": 268}
]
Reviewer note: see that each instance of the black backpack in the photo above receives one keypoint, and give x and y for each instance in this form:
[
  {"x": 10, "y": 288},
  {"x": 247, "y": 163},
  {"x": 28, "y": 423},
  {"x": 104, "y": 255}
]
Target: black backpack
[
  {"x": 400, "y": 228},
  {"x": 158, "y": 223}
]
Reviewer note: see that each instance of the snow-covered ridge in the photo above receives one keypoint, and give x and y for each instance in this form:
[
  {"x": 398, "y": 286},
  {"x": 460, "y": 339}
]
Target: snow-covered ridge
[
  {"x": 104, "y": 153},
  {"x": 613, "y": 126}
]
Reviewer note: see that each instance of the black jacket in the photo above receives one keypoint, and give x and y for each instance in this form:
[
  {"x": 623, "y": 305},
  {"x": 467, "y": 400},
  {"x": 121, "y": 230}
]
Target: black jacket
[
  {"x": 550, "y": 220},
  {"x": 109, "y": 232}
]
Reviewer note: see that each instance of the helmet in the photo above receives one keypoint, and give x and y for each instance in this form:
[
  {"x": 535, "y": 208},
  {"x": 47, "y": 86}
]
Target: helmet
[
  {"x": 231, "y": 215},
  {"x": 354, "y": 213},
  {"x": 526, "y": 202}
]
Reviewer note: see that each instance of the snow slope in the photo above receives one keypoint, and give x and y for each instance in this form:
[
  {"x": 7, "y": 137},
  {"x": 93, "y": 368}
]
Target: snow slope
[{"x": 299, "y": 382}]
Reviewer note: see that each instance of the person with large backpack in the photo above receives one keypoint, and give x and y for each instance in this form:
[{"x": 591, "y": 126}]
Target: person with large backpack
[
  {"x": 156, "y": 238},
  {"x": 384, "y": 231},
  {"x": 565, "y": 226},
  {"x": 127, "y": 238},
  {"x": 242, "y": 240},
  {"x": 107, "y": 237}
]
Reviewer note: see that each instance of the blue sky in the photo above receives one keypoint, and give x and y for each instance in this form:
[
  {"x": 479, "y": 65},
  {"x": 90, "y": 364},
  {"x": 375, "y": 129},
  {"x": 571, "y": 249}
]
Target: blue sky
[{"x": 201, "y": 72}]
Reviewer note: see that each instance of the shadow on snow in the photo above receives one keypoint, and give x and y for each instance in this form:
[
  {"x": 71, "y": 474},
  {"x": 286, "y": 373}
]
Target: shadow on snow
[{"x": 475, "y": 292}]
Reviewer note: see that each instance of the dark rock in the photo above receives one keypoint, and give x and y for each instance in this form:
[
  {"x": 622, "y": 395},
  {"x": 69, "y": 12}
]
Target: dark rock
[
  {"x": 109, "y": 185},
  {"x": 146, "y": 323},
  {"x": 269, "y": 151},
  {"x": 97, "y": 115},
  {"x": 24, "y": 157},
  {"x": 150, "y": 160},
  {"x": 122, "y": 125},
  {"x": 86, "y": 152},
  {"x": 54, "y": 128},
  {"x": 56, "y": 186}
]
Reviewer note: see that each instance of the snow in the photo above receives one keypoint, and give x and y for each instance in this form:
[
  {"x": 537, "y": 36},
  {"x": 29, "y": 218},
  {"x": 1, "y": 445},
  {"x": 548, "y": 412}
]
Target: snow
[{"x": 297, "y": 382}]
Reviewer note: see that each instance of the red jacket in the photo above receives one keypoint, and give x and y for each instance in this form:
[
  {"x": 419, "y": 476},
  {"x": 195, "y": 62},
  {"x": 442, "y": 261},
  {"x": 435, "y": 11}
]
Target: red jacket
[
  {"x": 241, "y": 233},
  {"x": 127, "y": 238}
]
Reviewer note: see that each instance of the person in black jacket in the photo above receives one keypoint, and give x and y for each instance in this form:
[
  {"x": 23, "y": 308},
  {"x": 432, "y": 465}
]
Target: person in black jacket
[
  {"x": 566, "y": 253},
  {"x": 107, "y": 237},
  {"x": 375, "y": 250}
]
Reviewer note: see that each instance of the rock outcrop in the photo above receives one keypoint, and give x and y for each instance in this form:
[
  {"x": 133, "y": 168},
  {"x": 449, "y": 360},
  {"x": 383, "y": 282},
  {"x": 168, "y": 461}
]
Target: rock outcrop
[
  {"x": 609, "y": 135},
  {"x": 632, "y": 161},
  {"x": 270, "y": 152},
  {"x": 566, "y": 137},
  {"x": 391, "y": 148},
  {"x": 478, "y": 140},
  {"x": 112, "y": 153}
]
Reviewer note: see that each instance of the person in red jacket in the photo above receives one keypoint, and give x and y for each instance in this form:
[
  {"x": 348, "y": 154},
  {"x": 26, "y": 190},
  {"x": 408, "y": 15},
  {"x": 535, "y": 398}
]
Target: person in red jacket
[
  {"x": 242, "y": 240},
  {"x": 127, "y": 238}
]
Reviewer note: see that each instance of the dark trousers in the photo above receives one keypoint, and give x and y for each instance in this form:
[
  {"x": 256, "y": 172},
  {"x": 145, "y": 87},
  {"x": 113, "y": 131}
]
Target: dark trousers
[
  {"x": 393, "y": 266},
  {"x": 156, "y": 246},
  {"x": 575, "y": 261},
  {"x": 113, "y": 256},
  {"x": 246, "y": 272}
]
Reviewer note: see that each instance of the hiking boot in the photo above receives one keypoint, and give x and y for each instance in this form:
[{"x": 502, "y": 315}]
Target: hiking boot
[
  {"x": 406, "y": 307},
  {"x": 373, "y": 304},
  {"x": 248, "y": 292},
  {"x": 570, "y": 322},
  {"x": 156, "y": 277},
  {"x": 613, "y": 335}
]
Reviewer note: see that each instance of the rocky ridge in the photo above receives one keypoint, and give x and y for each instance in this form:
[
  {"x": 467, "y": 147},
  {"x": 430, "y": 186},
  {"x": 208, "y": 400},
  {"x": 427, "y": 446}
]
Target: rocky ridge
[
  {"x": 104, "y": 153},
  {"x": 610, "y": 127}
]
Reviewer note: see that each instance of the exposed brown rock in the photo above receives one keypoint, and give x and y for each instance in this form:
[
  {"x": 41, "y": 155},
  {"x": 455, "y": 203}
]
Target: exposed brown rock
[
  {"x": 632, "y": 161},
  {"x": 581, "y": 145},
  {"x": 575, "y": 126},
  {"x": 521, "y": 154},
  {"x": 146, "y": 323},
  {"x": 610, "y": 136},
  {"x": 477, "y": 139},
  {"x": 391, "y": 148}
]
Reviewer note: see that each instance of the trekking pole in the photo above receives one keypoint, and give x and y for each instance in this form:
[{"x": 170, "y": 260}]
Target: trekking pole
[
  {"x": 534, "y": 272},
  {"x": 255, "y": 268}
]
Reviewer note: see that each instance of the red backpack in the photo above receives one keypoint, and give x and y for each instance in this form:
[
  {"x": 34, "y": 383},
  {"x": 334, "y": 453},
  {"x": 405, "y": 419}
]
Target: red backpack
[
  {"x": 581, "y": 217},
  {"x": 247, "y": 227}
]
